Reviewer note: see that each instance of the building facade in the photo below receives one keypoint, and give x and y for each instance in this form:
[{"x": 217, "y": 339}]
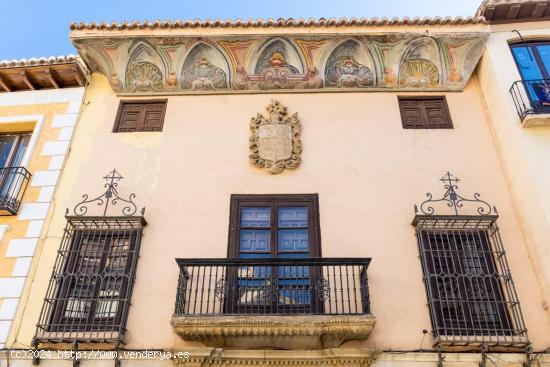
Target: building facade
[
  {"x": 291, "y": 192},
  {"x": 40, "y": 102}
]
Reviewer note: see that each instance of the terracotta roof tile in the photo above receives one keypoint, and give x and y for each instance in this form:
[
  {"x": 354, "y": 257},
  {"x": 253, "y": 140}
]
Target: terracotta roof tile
[
  {"x": 53, "y": 60},
  {"x": 275, "y": 23}
]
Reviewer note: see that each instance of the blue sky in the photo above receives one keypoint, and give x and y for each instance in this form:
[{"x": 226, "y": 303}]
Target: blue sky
[{"x": 33, "y": 28}]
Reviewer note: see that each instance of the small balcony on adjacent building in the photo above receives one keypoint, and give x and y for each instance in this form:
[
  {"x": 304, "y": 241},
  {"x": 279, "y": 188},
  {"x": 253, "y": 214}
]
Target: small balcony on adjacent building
[
  {"x": 13, "y": 183},
  {"x": 289, "y": 303},
  {"x": 532, "y": 101}
]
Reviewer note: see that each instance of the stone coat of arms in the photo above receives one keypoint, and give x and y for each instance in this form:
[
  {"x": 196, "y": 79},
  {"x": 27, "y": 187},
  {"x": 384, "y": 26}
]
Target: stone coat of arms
[{"x": 275, "y": 141}]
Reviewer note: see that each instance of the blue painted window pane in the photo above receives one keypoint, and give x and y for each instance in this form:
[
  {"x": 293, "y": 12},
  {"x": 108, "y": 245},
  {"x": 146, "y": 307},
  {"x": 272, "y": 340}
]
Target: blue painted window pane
[
  {"x": 291, "y": 217},
  {"x": 293, "y": 271},
  {"x": 529, "y": 70},
  {"x": 293, "y": 240},
  {"x": 294, "y": 255},
  {"x": 255, "y": 217},
  {"x": 295, "y": 296},
  {"x": 544, "y": 52},
  {"x": 247, "y": 255},
  {"x": 528, "y": 67},
  {"x": 253, "y": 272},
  {"x": 254, "y": 240},
  {"x": 303, "y": 282}
]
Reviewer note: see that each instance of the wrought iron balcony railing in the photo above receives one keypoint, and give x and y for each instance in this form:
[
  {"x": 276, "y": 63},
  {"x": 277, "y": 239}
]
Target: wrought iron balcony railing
[
  {"x": 13, "y": 183},
  {"x": 531, "y": 97},
  {"x": 314, "y": 286}
]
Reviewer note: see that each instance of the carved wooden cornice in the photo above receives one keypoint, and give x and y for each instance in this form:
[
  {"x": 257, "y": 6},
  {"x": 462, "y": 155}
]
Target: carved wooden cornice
[
  {"x": 54, "y": 72},
  {"x": 352, "y": 357},
  {"x": 281, "y": 332},
  {"x": 164, "y": 62},
  {"x": 513, "y": 11}
]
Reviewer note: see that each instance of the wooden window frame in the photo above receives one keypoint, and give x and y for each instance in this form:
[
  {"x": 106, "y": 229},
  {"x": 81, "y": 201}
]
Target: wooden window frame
[
  {"x": 425, "y": 124},
  {"x": 309, "y": 200},
  {"x": 273, "y": 201},
  {"x": 139, "y": 128}
]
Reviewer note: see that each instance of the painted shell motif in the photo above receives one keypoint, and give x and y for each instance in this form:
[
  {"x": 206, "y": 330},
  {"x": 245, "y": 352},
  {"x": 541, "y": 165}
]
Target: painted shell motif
[
  {"x": 418, "y": 73},
  {"x": 143, "y": 76},
  {"x": 204, "y": 76},
  {"x": 348, "y": 73}
]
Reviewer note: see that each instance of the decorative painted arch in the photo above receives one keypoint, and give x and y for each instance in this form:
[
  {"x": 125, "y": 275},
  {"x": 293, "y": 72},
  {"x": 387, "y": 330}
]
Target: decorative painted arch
[
  {"x": 205, "y": 68},
  {"x": 142, "y": 70},
  {"x": 277, "y": 51},
  {"x": 349, "y": 64},
  {"x": 421, "y": 64},
  {"x": 462, "y": 58}
]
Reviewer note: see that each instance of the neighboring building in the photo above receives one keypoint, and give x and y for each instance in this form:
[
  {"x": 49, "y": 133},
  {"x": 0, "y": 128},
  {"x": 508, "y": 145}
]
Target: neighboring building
[
  {"x": 514, "y": 76},
  {"x": 40, "y": 102},
  {"x": 283, "y": 167}
]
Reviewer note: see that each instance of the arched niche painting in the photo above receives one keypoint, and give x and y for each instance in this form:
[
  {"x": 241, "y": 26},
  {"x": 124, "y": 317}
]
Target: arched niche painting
[
  {"x": 278, "y": 66},
  {"x": 205, "y": 68},
  {"x": 420, "y": 64},
  {"x": 349, "y": 66},
  {"x": 142, "y": 72}
]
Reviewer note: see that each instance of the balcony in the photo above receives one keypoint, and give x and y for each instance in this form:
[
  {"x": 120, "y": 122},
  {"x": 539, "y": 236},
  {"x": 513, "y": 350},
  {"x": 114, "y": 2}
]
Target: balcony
[
  {"x": 314, "y": 303},
  {"x": 532, "y": 101},
  {"x": 13, "y": 183}
]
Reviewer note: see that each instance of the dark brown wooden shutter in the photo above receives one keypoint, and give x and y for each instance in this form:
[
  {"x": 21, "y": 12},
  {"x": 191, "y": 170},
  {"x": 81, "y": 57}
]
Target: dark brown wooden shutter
[
  {"x": 140, "y": 116},
  {"x": 424, "y": 113}
]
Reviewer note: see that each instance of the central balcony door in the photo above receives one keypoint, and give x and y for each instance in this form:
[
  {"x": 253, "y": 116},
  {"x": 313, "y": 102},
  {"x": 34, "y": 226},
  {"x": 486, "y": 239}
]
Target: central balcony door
[{"x": 277, "y": 228}]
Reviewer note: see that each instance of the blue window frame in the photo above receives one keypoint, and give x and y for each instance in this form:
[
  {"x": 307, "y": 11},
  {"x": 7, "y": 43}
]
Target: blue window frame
[{"x": 533, "y": 62}]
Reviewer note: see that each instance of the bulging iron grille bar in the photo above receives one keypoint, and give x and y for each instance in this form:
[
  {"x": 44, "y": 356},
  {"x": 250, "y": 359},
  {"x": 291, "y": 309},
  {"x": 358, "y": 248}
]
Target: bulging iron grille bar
[
  {"x": 89, "y": 293},
  {"x": 470, "y": 291},
  {"x": 13, "y": 184},
  {"x": 531, "y": 96},
  {"x": 328, "y": 286}
]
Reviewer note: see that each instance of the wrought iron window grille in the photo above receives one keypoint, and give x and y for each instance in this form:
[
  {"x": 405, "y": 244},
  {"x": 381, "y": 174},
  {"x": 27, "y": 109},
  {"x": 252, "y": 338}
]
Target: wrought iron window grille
[
  {"x": 88, "y": 297},
  {"x": 469, "y": 287},
  {"x": 13, "y": 184}
]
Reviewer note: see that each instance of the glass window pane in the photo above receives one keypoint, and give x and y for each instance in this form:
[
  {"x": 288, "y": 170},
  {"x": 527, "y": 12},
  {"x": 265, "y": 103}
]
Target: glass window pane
[
  {"x": 20, "y": 152},
  {"x": 527, "y": 64},
  {"x": 295, "y": 297},
  {"x": 255, "y": 217},
  {"x": 293, "y": 240},
  {"x": 254, "y": 240},
  {"x": 290, "y": 217},
  {"x": 544, "y": 53},
  {"x": 6, "y": 145}
]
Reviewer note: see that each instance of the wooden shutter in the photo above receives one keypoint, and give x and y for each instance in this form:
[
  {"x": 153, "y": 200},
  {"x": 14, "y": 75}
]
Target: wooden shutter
[
  {"x": 140, "y": 116},
  {"x": 424, "y": 113}
]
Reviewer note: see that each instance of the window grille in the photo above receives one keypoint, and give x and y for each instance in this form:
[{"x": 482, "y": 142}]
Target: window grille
[
  {"x": 470, "y": 291},
  {"x": 89, "y": 293}
]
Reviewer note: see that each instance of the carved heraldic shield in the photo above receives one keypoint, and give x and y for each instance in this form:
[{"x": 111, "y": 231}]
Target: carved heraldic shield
[{"x": 275, "y": 141}]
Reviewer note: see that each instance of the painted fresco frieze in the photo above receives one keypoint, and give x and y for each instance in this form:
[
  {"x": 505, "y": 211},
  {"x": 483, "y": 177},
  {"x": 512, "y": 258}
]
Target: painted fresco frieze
[
  {"x": 143, "y": 76},
  {"x": 346, "y": 67},
  {"x": 204, "y": 69},
  {"x": 275, "y": 140},
  {"x": 226, "y": 64}
]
